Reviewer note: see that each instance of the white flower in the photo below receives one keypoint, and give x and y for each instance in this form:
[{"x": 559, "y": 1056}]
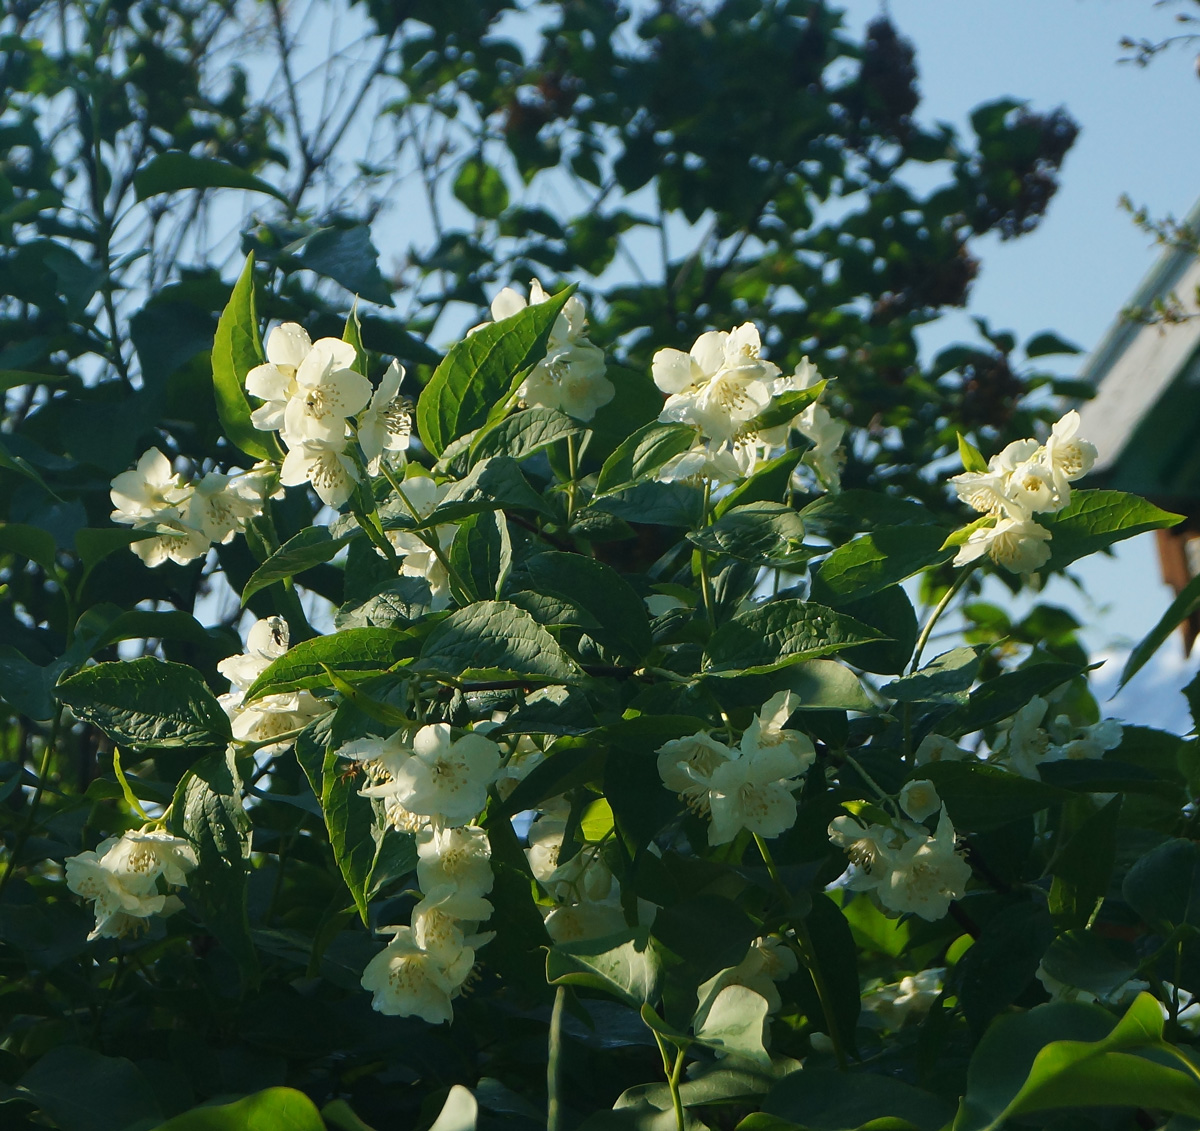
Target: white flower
[
  {"x": 766, "y": 731},
  {"x": 327, "y": 390},
  {"x": 910, "y": 997},
  {"x": 686, "y": 766},
  {"x": 754, "y": 791},
  {"x": 817, "y": 424},
  {"x": 919, "y": 799},
  {"x": 150, "y": 490},
  {"x": 150, "y": 854},
  {"x": 447, "y": 779},
  {"x": 927, "y": 872},
  {"x": 407, "y": 981},
  {"x": 936, "y": 748},
  {"x": 272, "y": 715},
  {"x": 175, "y": 541},
  {"x": 718, "y": 463},
  {"x": 1089, "y": 742},
  {"x": 1067, "y": 456},
  {"x": 275, "y": 382},
  {"x": 1017, "y": 544},
  {"x": 419, "y": 560},
  {"x": 219, "y": 506},
  {"x": 583, "y": 921},
  {"x": 868, "y": 848},
  {"x": 570, "y": 377},
  {"x": 720, "y": 385},
  {"x": 323, "y": 463},
  {"x": 1023, "y": 743},
  {"x": 443, "y": 924},
  {"x": 387, "y": 423},
  {"x": 458, "y": 858},
  {"x": 545, "y": 839}
]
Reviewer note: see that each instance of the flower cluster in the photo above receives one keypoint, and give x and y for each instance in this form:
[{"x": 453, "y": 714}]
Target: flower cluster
[
  {"x": 901, "y": 863},
  {"x": 187, "y": 518},
  {"x": 1025, "y": 479},
  {"x": 422, "y": 495},
  {"x": 750, "y": 787},
  {"x": 271, "y": 715},
  {"x": 571, "y": 377},
  {"x": 1028, "y": 740},
  {"x": 122, "y": 877},
  {"x": 720, "y": 387},
  {"x": 433, "y": 785}
]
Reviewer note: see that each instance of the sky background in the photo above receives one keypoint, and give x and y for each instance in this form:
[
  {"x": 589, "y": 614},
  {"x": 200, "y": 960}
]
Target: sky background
[{"x": 1138, "y": 136}]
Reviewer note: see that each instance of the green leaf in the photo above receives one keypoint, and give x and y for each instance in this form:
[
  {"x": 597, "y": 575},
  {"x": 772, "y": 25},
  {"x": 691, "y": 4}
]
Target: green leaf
[
  {"x": 1003, "y": 961},
  {"x": 237, "y": 350},
  {"x": 889, "y": 612},
  {"x": 492, "y": 484},
  {"x": 971, "y": 456},
  {"x": 625, "y": 966},
  {"x": 786, "y": 407},
  {"x": 481, "y": 555},
  {"x": 655, "y": 504},
  {"x": 27, "y": 687},
  {"x": 836, "y": 956},
  {"x": 348, "y": 257},
  {"x": 494, "y": 640},
  {"x": 885, "y": 557},
  {"x": 15, "y": 378},
  {"x": 1047, "y": 343},
  {"x": 81, "y": 1090},
  {"x": 177, "y": 172},
  {"x": 778, "y": 633},
  {"x": 1083, "y": 960},
  {"x": 735, "y": 1023},
  {"x": 642, "y": 454},
  {"x": 524, "y": 433},
  {"x": 312, "y": 546},
  {"x": 480, "y": 370},
  {"x": 570, "y": 589},
  {"x": 1082, "y": 867},
  {"x": 769, "y": 484},
  {"x": 352, "y": 335},
  {"x": 215, "y": 822},
  {"x": 979, "y": 796},
  {"x": 962, "y": 535},
  {"x": 94, "y": 545},
  {"x": 352, "y": 650},
  {"x": 23, "y": 467},
  {"x": 1105, "y": 1071},
  {"x": 30, "y": 542},
  {"x": 824, "y": 1100},
  {"x": 1094, "y": 520},
  {"x": 768, "y": 534},
  {"x": 945, "y": 679},
  {"x": 276, "y": 1109},
  {"x": 147, "y": 704},
  {"x": 1004, "y": 696},
  {"x": 1180, "y": 609},
  {"x": 480, "y": 186},
  {"x": 1163, "y": 887}
]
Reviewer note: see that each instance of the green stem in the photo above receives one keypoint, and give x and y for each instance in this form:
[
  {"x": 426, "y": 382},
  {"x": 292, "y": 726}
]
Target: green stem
[
  {"x": 808, "y": 954},
  {"x": 554, "y": 1110},
  {"x": 429, "y": 539},
  {"x": 949, "y": 596},
  {"x": 573, "y": 472},
  {"x": 706, "y": 588},
  {"x": 879, "y": 791},
  {"x": 673, "y": 1071}
]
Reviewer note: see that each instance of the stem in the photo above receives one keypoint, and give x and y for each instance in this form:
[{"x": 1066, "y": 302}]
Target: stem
[
  {"x": 808, "y": 955},
  {"x": 949, "y": 596},
  {"x": 554, "y": 1112},
  {"x": 879, "y": 792},
  {"x": 573, "y": 472},
  {"x": 673, "y": 1071},
  {"x": 705, "y": 579},
  {"x": 430, "y": 539}
]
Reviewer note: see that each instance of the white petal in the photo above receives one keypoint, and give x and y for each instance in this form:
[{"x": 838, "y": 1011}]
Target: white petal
[{"x": 288, "y": 344}]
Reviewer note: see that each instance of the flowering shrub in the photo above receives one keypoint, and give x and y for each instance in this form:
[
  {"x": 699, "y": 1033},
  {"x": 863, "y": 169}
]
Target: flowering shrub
[{"x": 696, "y": 837}]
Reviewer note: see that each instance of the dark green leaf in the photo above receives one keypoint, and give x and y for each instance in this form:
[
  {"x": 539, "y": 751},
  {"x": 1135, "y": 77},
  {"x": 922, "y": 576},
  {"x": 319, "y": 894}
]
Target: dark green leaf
[
  {"x": 1163, "y": 887},
  {"x": 481, "y": 188},
  {"x": 312, "y": 546},
  {"x": 349, "y": 258},
  {"x": 945, "y": 679},
  {"x": 480, "y": 370},
  {"x": 642, "y": 454},
  {"x": 769, "y": 484},
  {"x": 81, "y": 1090},
  {"x": 656, "y": 504},
  {"x": 836, "y": 956},
  {"x": 524, "y": 433},
  {"x": 891, "y": 614},
  {"x": 786, "y": 407},
  {"x": 769, "y": 534},
  {"x": 979, "y": 796},
  {"x": 1184, "y": 605},
  {"x": 94, "y": 545},
  {"x": 492, "y": 484},
  {"x": 236, "y": 350},
  {"x": 30, "y": 542},
  {"x": 1046, "y": 343},
  {"x": 176, "y": 172},
  {"x": 351, "y": 651},
  {"x": 839, "y": 1101},
  {"x": 481, "y": 555},
  {"x": 494, "y": 640},
  {"x": 146, "y": 704},
  {"x": 1004, "y": 696},
  {"x": 778, "y": 633},
  {"x": 885, "y": 557},
  {"x": 215, "y": 822},
  {"x": 1003, "y": 961}
]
